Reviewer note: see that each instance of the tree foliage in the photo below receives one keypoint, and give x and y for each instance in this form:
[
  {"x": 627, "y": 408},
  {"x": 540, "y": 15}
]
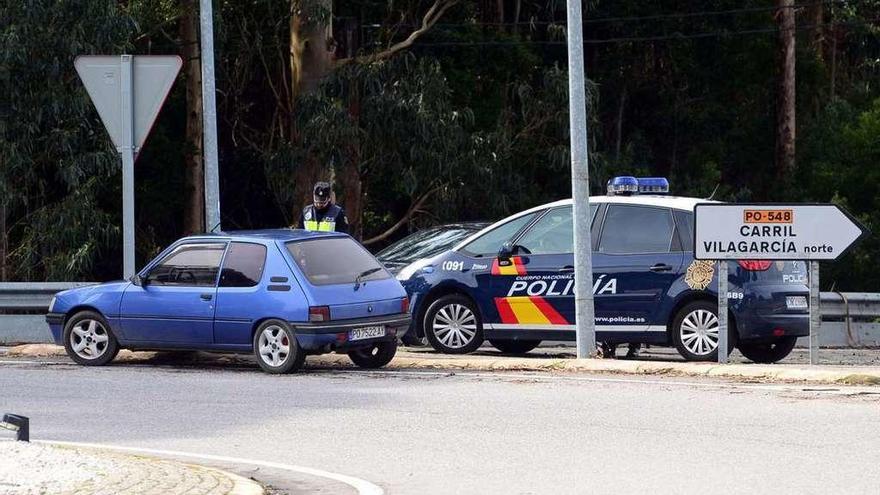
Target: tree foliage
[{"x": 469, "y": 121}]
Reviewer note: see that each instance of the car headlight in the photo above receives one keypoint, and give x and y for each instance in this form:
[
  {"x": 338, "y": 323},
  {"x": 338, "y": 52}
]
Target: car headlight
[
  {"x": 409, "y": 270},
  {"x": 52, "y": 304}
]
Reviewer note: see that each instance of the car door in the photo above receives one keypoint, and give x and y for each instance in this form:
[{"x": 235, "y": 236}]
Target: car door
[
  {"x": 538, "y": 293},
  {"x": 633, "y": 267},
  {"x": 175, "y": 301},
  {"x": 240, "y": 300}
]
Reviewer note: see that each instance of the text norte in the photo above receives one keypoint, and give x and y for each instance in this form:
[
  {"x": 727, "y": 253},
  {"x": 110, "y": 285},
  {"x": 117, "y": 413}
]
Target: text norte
[{"x": 559, "y": 287}]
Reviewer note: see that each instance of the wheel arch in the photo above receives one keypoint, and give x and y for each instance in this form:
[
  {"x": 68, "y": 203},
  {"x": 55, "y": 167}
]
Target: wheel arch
[
  {"x": 259, "y": 322},
  {"x": 80, "y": 308},
  {"x": 695, "y": 296}
]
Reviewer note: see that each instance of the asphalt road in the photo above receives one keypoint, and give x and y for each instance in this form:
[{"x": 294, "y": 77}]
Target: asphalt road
[{"x": 425, "y": 433}]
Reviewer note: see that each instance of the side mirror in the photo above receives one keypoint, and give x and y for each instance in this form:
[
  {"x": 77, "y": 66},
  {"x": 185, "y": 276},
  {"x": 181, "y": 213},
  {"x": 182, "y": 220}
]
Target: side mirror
[
  {"x": 507, "y": 250},
  {"x": 138, "y": 280}
]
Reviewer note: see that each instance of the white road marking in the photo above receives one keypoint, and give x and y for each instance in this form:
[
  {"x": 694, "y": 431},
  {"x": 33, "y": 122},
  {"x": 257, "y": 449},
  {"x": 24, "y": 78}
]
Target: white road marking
[
  {"x": 363, "y": 487},
  {"x": 15, "y": 361}
]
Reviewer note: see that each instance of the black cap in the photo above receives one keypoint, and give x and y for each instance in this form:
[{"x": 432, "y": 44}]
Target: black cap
[{"x": 322, "y": 190}]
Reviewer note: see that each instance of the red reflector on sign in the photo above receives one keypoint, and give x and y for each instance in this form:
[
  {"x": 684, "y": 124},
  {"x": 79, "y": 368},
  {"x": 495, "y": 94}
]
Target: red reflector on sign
[{"x": 755, "y": 265}]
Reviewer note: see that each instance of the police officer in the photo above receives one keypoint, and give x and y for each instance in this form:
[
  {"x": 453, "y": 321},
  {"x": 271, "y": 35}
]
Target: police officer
[{"x": 322, "y": 215}]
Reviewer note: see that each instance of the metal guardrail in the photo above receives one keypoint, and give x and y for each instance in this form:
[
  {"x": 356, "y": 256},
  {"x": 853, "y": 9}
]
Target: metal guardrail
[
  {"x": 849, "y": 319},
  {"x": 23, "y": 306}
]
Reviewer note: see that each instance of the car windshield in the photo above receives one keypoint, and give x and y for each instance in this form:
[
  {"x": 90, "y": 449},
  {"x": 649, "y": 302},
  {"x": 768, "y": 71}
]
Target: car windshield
[
  {"x": 335, "y": 260},
  {"x": 425, "y": 244}
]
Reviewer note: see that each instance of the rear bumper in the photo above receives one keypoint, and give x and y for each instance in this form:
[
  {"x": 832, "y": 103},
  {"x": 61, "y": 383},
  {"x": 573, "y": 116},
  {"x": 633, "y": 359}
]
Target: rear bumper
[
  {"x": 333, "y": 335},
  {"x": 757, "y": 326}
]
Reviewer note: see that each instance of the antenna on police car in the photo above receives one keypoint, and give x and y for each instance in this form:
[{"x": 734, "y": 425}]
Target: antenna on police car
[{"x": 711, "y": 196}]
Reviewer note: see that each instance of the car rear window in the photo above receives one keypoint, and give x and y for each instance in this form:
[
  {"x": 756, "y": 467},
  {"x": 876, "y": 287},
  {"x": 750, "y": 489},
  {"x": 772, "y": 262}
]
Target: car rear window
[{"x": 335, "y": 260}]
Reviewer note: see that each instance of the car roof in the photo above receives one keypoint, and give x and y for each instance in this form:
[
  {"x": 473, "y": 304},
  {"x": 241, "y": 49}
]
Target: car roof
[
  {"x": 282, "y": 235},
  {"x": 676, "y": 202}
]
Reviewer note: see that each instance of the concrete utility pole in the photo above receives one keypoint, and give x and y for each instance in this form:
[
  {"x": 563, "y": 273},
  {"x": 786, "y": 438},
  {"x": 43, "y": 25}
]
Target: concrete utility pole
[
  {"x": 580, "y": 185},
  {"x": 209, "y": 117}
]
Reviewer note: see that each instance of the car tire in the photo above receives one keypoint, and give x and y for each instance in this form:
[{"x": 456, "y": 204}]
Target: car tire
[
  {"x": 514, "y": 346},
  {"x": 768, "y": 352},
  {"x": 276, "y": 348},
  {"x": 88, "y": 339},
  {"x": 695, "y": 332},
  {"x": 374, "y": 356},
  {"x": 453, "y": 325}
]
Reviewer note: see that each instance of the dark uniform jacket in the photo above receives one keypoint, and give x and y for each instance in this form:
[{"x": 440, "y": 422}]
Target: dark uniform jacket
[{"x": 330, "y": 219}]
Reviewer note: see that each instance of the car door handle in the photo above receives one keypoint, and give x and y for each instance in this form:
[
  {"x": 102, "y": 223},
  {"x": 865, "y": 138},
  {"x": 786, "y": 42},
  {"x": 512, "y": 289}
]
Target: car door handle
[
  {"x": 660, "y": 267},
  {"x": 207, "y": 297},
  {"x": 567, "y": 269}
]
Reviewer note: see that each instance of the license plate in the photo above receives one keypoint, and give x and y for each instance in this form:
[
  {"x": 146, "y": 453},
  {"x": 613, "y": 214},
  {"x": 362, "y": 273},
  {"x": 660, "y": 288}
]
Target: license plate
[
  {"x": 796, "y": 302},
  {"x": 366, "y": 333}
]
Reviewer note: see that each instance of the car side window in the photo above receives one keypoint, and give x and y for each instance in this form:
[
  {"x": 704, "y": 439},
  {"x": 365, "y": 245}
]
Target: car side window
[
  {"x": 684, "y": 224},
  {"x": 243, "y": 265},
  {"x": 489, "y": 243},
  {"x": 551, "y": 234},
  {"x": 192, "y": 265},
  {"x": 630, "y": 229}
]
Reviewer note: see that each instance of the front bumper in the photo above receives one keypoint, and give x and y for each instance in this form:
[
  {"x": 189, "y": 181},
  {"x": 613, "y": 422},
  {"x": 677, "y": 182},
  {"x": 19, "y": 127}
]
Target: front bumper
[
  {"x": 56, "y": 325},
  {"x": 333, "y": 335}
]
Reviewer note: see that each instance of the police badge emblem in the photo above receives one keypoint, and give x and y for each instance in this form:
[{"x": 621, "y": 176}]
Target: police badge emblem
[
  {"x": 308, "y": 215},
  {"x": 699, "y": 274}
]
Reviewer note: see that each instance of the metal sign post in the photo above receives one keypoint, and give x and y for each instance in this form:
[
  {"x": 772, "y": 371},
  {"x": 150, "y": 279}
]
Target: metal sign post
[
  {"x": 815, "y": 312},
  {"x": 722, "y": 312},
  {"x": 765, "y": 231},
  {"x": 128, "y": 92},
  {"x": 580, "y": 183}
]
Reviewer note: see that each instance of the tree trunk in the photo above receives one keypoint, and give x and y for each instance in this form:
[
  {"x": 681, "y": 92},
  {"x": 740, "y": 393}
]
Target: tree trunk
[
  {"x": 194, "y": 212},
  {"x": 619, "y": 137},
  {"x": 311, "y": 59},
  {"x": 785, "y": 100},
  {"x": 4, "y": 244},
  {"x": 817, "y": 19}
]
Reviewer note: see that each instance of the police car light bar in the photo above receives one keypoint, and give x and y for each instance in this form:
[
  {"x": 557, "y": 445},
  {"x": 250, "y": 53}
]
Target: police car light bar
[
  {"x": 653, "y": 185},
  {"x": 623, "y": 185},
  {"x": 626, "y": 185}
]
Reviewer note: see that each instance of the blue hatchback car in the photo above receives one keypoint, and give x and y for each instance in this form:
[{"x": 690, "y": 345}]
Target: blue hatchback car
[
  {"x": 513, "y": 283},
  {"x": 281, "y": 294}
]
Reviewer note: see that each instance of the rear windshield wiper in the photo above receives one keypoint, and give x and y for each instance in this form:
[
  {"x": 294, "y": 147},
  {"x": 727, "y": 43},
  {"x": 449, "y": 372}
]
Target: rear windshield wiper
[{"x": 357, "y": 280}]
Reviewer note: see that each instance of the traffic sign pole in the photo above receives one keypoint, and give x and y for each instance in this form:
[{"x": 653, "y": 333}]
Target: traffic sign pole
[
  {"x": 585, "y": 329},
  {"x": 815, "y": 314},
  {"x": 127, "y": 152},
  {"x": 722, "y": 312}
]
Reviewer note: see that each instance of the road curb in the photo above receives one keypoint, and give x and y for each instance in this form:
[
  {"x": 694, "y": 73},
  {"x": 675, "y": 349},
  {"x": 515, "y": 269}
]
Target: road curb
[
  {"x": 758, "y": 372},
  {"x": 842, "y": 375}
]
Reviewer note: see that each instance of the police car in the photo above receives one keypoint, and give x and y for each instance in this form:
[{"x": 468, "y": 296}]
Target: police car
[{"x": 513, "y": 282}]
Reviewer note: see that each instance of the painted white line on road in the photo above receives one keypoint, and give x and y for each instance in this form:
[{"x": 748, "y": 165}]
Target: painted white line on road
[
  {"x": 842, "y": 389},
  {"x": 363, "y": 487},
  {"x": 15, "y": 361}
]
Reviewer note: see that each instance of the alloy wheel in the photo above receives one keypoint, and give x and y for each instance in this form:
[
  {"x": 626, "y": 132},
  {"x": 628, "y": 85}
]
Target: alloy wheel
[
  {"x": 699, "y": 332},
  {"x": 89, "y": 339},
  {"x": 454, "y": 326},
  {"x": 274, "y": 345}
]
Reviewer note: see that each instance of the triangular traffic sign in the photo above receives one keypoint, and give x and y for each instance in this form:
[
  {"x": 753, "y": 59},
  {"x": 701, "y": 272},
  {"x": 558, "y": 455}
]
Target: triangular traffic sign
[{"x": 152, "y": 78}]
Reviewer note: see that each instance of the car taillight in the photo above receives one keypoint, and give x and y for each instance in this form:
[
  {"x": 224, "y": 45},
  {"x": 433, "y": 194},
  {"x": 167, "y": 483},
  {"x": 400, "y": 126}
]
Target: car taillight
[
  {"x": 755, "y": 265},
  {"x": 404, "y": 305},
  {"x": 319, "y": 313}
]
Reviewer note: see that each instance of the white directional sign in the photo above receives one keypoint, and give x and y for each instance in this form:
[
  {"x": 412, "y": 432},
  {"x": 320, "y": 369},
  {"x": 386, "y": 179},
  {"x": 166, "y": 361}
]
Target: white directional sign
[
  {"x": 152, "y": 78},
  {"x": 775, "y": 231}
]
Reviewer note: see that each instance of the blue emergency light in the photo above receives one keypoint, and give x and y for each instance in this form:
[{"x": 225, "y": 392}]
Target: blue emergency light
[
  {"x": 653, "y": 185},
  {"x": 626, "y": 185},
  {"x": 623, "y": 185}
]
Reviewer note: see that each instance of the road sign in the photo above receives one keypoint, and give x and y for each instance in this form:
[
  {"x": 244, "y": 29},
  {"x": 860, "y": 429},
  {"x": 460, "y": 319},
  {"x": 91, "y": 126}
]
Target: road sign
[
  {"x": 128, "y": 92},
  {"x": 152, "y": 78},
  {"x": 728, "y": 231}
]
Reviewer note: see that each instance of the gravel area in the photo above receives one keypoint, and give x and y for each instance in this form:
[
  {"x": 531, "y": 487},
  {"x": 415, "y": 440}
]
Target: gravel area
[{"x": 27, "y": 468}]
